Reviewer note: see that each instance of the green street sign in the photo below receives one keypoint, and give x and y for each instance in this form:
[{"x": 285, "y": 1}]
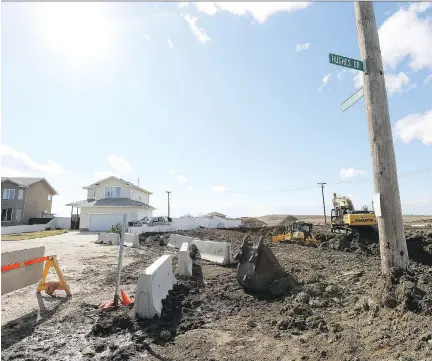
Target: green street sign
[
  {"x": 352, "y": 99},
  {"x": 346, "y": 62}
]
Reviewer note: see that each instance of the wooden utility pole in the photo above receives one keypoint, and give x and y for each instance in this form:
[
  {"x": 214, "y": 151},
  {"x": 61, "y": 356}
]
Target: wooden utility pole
[
  {"x": 322, "y": 191},
  {"x": 168, "y": 192},
  {"x": 393, "y": 246}
]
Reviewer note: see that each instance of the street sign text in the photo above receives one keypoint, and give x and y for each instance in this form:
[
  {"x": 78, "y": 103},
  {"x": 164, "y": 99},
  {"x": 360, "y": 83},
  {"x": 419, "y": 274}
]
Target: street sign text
[{"x": 346, "y": 62}]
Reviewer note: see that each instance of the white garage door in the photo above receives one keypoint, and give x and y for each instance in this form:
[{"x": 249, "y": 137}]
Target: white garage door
[{"x": 103, "y": 222}]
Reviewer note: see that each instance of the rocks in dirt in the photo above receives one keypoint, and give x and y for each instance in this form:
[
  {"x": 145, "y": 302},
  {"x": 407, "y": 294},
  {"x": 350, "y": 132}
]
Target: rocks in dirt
[
  {"x": 165, "y": 335},
  {"x": 315, "y": 289},
  {"x": 302, "y": 297},
  {"x": 251, "y": 323},
  {"x": 110, "y": 323},
  {"x": 99, "y": 346}
]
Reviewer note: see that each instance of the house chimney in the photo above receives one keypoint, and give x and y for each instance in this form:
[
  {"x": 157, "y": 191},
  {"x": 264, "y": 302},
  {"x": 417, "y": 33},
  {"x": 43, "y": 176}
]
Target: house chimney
[{"x": 138, "y": 182}]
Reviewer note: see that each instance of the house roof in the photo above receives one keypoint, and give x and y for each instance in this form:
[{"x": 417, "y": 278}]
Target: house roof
[
  {"x": 111, "y": 202},
  {"x": 121, "y": 180},
  {"x": 27, "y": 182}
]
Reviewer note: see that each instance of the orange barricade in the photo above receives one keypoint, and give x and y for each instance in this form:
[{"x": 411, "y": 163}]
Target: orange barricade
[{"x": 48, "y": 287}]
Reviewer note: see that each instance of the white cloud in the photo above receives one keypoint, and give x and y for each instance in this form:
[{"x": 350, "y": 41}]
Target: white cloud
[
  {"x": 395, "y": 83},
  {"x": 15, "y": 163},
  {"x": 104, "y": 174},
  {"x": 358, "y": 79},
  {"x": 340, "y": 74},
  {"x": 325, "y": 80},
  {"x": 147, "y": 36},
  {"x": 199, "y": 33},
  {"x": 415, "y": 126},
  {"x": 119, "y": 164},
  {"x": 182, "y": 179},
  {"x": 428, "y": 79},
  {"x": 170, "y": 43},
  {"x": 347, "y": 173},
  {"x": 219, "y": 189},
  {"x": 191, "y": 188},
  {"x": 174, "y": 170},
  {"x": 183, "y": 5},
  {"x": 305, "y": 46},
  {"x": 404, "y": 34},
  {"x": 260, "y": 11}
]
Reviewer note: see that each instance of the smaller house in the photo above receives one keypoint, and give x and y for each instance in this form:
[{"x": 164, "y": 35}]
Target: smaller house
[
  {"x": 24, "y": 198},
  {"x": 108, "y": 200},
  {"x": 215, "y": 214}
]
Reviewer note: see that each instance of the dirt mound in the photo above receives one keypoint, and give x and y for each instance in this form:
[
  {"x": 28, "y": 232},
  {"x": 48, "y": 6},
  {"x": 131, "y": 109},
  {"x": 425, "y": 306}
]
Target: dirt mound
[
  {"x": 288, "y": 220},
  {"x": 410, "y": 291},
  {"x": 252, "y": 222}
]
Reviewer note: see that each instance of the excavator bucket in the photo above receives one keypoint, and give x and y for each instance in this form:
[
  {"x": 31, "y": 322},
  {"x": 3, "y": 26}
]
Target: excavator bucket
[{"x": 259, "y": 271}]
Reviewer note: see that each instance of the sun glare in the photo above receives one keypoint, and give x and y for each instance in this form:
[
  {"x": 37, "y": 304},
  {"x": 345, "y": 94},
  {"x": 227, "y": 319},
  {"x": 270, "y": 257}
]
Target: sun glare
[{"x": 81, "y": 31}]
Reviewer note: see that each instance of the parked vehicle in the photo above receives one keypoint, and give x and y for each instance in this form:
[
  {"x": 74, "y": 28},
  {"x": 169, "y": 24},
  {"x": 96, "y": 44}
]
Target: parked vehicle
[{"x": 152, "y": 221}]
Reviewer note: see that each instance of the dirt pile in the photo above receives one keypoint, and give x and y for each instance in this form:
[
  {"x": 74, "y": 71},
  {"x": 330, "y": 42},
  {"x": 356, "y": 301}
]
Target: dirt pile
[
  {"x": 250, "y": 222},
  {"x": 288, "y": 220}
]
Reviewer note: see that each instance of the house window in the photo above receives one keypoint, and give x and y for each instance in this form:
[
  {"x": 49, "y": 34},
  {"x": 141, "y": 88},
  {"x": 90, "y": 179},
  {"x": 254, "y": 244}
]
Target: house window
[
  {"x": 8, "y": 194},
  {"x": 20, "y": 194},
  {"x": 49, "y": 197},
  {"x": 112, "y": 192},
  {"x": 18, "y": 215},
  {"x": 6, "y": 215}
]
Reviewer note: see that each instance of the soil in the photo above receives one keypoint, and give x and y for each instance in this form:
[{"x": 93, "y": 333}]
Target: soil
[
  {"x": 340, "y": 309},
  {"x": 252, "y": 222}
]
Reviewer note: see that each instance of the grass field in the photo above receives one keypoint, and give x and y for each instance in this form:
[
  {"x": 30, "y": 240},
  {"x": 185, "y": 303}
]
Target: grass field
[{"x": 31, "y": 235}]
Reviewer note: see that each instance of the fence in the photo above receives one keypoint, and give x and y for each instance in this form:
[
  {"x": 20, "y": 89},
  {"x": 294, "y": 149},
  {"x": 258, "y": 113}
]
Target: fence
[
  {"x": 57, "y": 222},
  {"x": 183, "y": 224}
]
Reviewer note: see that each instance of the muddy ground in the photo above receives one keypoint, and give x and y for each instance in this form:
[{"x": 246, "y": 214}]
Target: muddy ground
[{"x": 338, "y": 310}]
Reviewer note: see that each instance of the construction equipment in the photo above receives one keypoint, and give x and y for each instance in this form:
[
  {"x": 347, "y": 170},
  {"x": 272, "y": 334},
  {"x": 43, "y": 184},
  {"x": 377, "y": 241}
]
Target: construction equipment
[
  {"x": 259, "y": 271},
  {"x": 345, "y": 219},
  {"x": 297, "y": 232}
]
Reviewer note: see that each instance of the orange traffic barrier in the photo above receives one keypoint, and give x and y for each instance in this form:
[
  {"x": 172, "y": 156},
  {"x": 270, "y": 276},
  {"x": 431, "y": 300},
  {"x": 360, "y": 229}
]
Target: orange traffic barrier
[
  {"x": 29, "y": 262},
  {"x": 48, "y": 287}
]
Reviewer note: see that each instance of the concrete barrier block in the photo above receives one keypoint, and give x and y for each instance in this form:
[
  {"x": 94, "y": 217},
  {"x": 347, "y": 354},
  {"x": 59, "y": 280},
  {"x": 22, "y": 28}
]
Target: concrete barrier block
[
  {"x": 133, "y": 239},
  {"x": 109, "y": 238},
  {"x": 24, "y": 276},
  {"x": 177, "y": 240},
  {"x": 217, "y": 252},
  {"x": 184, "y": 264},
  {"x": 153, "y": 286}
]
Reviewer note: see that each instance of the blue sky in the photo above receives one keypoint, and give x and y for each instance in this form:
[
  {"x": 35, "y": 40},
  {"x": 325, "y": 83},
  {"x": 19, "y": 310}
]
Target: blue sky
[{"x": 233, "y": 107}]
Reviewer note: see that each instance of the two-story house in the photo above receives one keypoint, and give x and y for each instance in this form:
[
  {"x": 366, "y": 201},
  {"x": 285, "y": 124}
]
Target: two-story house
[
  {"x": 107, "y": 201},
  {"x": 24, "y": 198}
]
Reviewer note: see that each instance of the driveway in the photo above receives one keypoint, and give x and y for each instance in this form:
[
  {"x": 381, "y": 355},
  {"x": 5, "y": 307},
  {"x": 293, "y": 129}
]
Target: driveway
[{"x": 80, "y": 260}]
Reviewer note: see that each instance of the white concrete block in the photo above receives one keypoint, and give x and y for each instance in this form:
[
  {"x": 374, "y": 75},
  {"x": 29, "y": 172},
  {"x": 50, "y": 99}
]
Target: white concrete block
[
  {"x": 24, "y": 276},
  {"x": 109, "y": 238},
  {"x": 177, "y": 240},
  {"x": 133, "y": 239},
  {"x": 184, "y": 264},
  {"x": 217, "y": 252},
  {"x": 153, "y": 286}
]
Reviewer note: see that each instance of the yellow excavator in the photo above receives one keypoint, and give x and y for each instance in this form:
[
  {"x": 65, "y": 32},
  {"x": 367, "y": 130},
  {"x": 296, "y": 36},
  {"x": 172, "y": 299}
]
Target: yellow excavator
[
  {"x": 345, "y": 219},
  {"x": 297, "y": 232}
]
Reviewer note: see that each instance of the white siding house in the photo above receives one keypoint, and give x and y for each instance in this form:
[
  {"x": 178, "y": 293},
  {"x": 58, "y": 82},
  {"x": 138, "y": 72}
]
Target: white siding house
[{"x": 107, "y": 201}]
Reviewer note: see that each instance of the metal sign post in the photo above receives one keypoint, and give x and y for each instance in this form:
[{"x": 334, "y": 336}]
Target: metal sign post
[{"x": 120, "y": 260}]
